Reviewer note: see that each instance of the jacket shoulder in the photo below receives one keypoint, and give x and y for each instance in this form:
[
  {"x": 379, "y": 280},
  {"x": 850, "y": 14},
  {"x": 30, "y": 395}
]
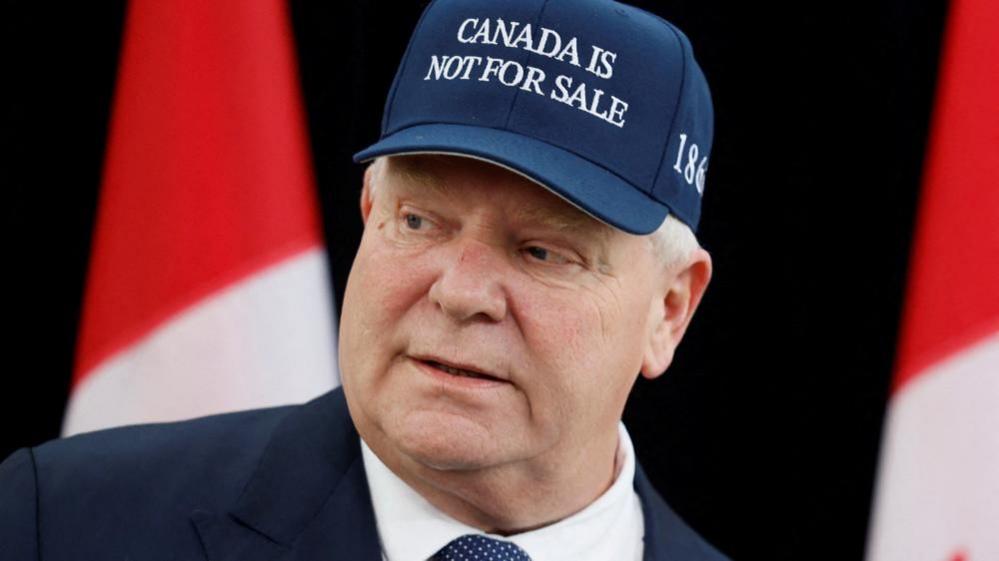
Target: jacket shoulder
[
  {"x": 17, "y": 507},
  {"x": 118, "y": 492},
  {"x": 201, "y": 458}
]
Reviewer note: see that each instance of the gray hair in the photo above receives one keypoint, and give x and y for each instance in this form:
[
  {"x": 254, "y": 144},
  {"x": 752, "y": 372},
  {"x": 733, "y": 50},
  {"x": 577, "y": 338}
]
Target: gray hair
[{"x": 674, "y": 243}]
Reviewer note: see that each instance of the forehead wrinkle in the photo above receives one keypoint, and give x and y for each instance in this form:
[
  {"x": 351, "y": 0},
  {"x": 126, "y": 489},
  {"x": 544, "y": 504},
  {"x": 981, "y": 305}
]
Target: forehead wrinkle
[{"x": 415, "y": 175}]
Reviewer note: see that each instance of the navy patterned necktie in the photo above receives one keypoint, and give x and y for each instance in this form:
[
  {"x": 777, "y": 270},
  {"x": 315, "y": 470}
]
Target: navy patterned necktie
[{"x": 480, "y": 548}]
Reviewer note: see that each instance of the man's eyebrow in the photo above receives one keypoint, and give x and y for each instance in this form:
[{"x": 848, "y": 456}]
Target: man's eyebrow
[{"x": 566, "y": 220}]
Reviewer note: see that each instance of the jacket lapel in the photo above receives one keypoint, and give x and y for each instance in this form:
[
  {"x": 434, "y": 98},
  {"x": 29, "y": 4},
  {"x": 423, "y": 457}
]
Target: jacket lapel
[
  {"x": 307, "y": 499},
  {"x": 667, "y": 536}
]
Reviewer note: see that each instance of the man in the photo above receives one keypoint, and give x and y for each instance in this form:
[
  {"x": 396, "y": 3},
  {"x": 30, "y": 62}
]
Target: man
[{"x": 527, "y": 252}]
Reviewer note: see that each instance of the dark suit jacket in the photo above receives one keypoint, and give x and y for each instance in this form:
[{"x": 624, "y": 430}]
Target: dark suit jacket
[{"x": 274, "y": 484}]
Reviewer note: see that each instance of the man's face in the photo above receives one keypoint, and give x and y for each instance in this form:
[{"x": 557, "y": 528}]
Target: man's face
[{"x": 489, "y": 324}]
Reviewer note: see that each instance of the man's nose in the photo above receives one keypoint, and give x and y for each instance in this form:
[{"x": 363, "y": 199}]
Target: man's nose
[{"x": 470, "y": 286}]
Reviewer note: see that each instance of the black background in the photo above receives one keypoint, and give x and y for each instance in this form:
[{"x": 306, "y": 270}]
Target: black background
[{"x": 764, "y": 432}]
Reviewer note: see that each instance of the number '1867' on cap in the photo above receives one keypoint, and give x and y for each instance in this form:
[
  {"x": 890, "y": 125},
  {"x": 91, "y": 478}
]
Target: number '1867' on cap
[{"x": 598, "y": 101}]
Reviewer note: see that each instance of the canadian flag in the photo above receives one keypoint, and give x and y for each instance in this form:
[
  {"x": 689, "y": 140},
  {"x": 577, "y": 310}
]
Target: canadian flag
[
  {"x": 208, "y": 288},
  {"x": 938, "y": 487}
]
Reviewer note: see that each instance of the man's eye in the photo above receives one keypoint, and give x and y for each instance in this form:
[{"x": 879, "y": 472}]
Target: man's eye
[
  {"x": 413, "y": 221},
  {"x": 545, "y": 255},
  {"x": 539, "y": 253}
]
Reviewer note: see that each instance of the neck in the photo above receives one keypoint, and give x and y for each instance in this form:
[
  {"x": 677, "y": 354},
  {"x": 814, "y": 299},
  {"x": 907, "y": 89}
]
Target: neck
[{"x": 513, "y": 498}]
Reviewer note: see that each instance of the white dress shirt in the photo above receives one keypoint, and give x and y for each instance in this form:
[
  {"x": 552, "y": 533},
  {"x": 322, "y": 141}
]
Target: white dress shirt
[{"x": 611, "y": 527}]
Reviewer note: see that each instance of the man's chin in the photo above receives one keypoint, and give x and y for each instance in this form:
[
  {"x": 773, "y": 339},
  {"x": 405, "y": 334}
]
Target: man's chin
[{"x": 446, "y": 442}]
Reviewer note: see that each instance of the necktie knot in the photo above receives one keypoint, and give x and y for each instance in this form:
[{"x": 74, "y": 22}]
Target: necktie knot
[{"x": 474, "y": 547}]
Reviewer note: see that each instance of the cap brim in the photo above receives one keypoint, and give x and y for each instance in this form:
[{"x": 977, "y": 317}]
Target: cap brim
[{"x": 592, "y": 188}]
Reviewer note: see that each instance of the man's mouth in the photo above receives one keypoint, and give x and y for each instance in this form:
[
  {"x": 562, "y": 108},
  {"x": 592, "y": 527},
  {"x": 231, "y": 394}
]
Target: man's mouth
[{"x": 462, "y": 372}]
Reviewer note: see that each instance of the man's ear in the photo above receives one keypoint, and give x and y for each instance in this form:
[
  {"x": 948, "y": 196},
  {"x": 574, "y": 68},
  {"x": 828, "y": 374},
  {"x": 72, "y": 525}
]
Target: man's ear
[
  {"x": 670, "y": 315},
  {"x": 366, "y": 193}
]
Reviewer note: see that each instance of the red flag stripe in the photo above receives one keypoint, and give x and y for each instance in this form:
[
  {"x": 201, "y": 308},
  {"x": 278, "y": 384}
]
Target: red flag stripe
[
  {"x": 211, "y": 137},
  {"x": 953, "y": 296}
]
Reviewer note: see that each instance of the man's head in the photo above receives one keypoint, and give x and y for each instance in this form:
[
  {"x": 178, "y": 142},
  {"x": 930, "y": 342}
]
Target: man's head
[
  {"x": 518, "y": 270},
  {"x": 489, "y": 326}
]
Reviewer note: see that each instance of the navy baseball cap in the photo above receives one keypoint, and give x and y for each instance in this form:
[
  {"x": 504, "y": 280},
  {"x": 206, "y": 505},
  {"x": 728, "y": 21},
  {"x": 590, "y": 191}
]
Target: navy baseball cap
[{"x": 600, "y": 102}]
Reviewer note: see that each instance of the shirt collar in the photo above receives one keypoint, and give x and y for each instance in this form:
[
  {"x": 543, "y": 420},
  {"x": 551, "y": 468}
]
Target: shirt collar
[{"x": 411, "y": 529}]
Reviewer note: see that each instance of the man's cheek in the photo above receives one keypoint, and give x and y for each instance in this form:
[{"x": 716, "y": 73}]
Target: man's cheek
[
  {"x": 564, "y": 339},
  {"x": 380, "y": 276}
]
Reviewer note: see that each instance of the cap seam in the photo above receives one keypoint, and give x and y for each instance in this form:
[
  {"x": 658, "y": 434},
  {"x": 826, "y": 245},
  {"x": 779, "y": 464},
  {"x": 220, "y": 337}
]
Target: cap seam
[
  {"x": 527, "y": 60},
  {"x": 676, "y": 106}
]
